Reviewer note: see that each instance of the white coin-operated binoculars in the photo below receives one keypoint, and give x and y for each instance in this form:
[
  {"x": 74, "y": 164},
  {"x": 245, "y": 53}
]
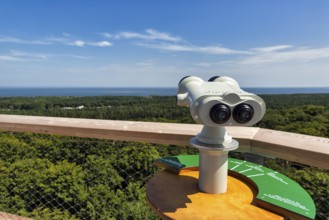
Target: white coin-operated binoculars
[{"x": 217, "y": 103}]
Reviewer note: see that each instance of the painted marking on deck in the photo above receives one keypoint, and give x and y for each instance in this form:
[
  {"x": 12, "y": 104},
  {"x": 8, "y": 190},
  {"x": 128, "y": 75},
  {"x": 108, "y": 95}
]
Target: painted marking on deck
[
  {"x": 245, "y": 170},
  {"x": 260, "y": 174}
]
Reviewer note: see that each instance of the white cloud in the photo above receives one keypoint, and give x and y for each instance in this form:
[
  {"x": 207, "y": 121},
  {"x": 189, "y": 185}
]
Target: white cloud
[
  {"x": 16, "y": 55},
  {"x": 108, "y": 35},
  {"x": 150, "y": 34},
  {"x": 285, "y": 56},
  {"x": 271, "y": 48},
  {"x": 78, "y": 43},
  {"x": 218, "y": 50},
  {"x": 7, "y": 39},
  {"x": 177, "y": 44},
  {"x": 65, "y": 40},
  {"x": 21, "y": 54},
  {"x": 101, "y": 44},
  {"x": 61, "y": 40},
  {"x": 9, "y": 58},
  {"x": 156, "y": 35}
]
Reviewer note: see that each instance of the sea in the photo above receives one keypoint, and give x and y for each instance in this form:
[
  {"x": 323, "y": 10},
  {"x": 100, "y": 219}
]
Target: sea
[{"x": 80, "y": 92}]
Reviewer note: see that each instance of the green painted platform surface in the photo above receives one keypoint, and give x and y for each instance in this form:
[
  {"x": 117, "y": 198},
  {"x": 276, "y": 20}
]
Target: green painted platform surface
[{"x": 274, "y": 189}]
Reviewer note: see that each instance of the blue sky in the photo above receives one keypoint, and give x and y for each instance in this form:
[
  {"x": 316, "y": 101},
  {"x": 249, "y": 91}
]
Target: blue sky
[{"x": 143, "y": 43}]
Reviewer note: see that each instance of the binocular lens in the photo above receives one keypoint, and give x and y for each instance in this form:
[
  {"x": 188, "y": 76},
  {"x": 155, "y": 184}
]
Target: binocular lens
[
  {"x": 220, "y": 113},
  {"x": 243, "y": 113}
]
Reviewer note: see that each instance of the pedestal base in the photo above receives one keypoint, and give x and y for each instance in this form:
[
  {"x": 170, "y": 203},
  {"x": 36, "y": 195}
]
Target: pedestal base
[
  {"x": 178, "y": 197},
  {"x": 213, "y": 165}
]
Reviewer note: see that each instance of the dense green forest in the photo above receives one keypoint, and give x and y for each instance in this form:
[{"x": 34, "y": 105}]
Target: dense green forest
[{"x": 54, "y": 177}]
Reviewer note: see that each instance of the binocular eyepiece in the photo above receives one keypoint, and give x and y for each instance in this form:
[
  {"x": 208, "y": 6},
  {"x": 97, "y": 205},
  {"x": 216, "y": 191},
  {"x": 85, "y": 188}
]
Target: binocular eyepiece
[
  {"x": 219, "y": 102},
  {"x": 221, "y": 113}
]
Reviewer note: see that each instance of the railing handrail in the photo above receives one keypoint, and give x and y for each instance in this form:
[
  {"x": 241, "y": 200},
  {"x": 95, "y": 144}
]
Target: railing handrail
[{"x": 304, "y": 149}]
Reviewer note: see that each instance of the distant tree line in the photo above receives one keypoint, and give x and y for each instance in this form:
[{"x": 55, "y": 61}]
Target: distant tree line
[{"x": 301, "y": 113}]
